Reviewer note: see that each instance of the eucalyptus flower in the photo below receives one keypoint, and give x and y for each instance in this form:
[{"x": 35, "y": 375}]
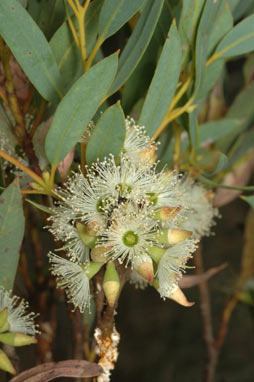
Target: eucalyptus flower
[
  {"x": 200, "y": 215},
  {"x": 18, "y": 320},
  {"x": 123, "y": 209},
  {"x": 73, "y": 277}
]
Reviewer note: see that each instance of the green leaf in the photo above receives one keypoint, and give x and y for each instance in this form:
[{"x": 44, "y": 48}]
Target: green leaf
[
  {"x": 137, "y": 43},
  {"x": 222, "y": 25},
  {"x": 187, "y": 25},
  {"x": 214, "y": 130},
  {"x": 243, "y": 144},
  {"x": 12, "y": 224},
  {"x": 163, "y": 84},
  {"x": 248, "y": 199},
  {"x": 40, "y": 207},
  {"x": 220, "y": 165},
  {"x": 114, "y": 14},
  {"x": 209, "y": 14},
  {"x": 239, "y": 40},
  {"x": 241, "y": 109},
  {"x": 240, "y": 8},
  {"x": 210, "y": 76},
  {"x": 138, "y": 83},
  {"x": 31, "y": 49},
  {"x": 77, "y": 108},
  {"x": 108, "y": 135},
  {"x": 193, "y": 130},
  {"x": 65, "y": 49}
]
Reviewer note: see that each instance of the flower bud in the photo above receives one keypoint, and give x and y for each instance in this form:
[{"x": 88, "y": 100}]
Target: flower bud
[
  {"x": 209, "y": 195},
  {"x": 166, "y": 213},
  {"x": 173, "y": 236},
  {"x": 93, "y": 269},
  {"x": 17, "y": 339},
  {"x": 36, "y": 186},
  {"x": 156, "y": 253},
  {"x": 180, "y": 298},
  {"x": 88, "y": 240},
  {"x": 46, "y": 177},
  {"x": 5, "y": 363},
  {"x": 92, "y": 228},
  {"x": 3, "y": 320},
  {"x": 149, "y": 155},
  {"x": 111, "y": 284},
  {"x": 98, "y": 254},
  {"x": 144, "y": 266}
]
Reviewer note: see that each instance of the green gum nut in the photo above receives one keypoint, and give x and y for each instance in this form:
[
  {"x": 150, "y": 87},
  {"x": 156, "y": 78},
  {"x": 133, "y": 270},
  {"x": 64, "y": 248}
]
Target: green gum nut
[
  {"x": 173, "y": 236},
  {"x": 156, "y": 253},
  {"x": 17, "y": 339},
  {"x": 88, "y": 240},
  {"x": 111, "y": 284},
  {"x": 166, "y": 213},
  {"x": 5, "y": 363},
  {"x": 4, "y": 326},
  {"x": 93, "y": 269}
]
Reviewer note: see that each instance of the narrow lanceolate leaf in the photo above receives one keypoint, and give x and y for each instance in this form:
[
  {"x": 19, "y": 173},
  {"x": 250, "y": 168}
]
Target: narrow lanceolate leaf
[
  {"x": 163, "y": 84},
  {"x": 65, "y": 49},
  {"x": 223, "y": 24},
  {"x": 220, "y": 165},
  {"x": 214, "y": 130},
  {"x": 77, "y": 108},
  {"x": 31, "y": 49},
  {"x": 137, "y": 43},
  {"x": 188, "y": 22},
  {"x": 210, "y": 12},
  {"x": 115, "y": 13},
  {"x": 239, "y": 40},
  {"x": 193, "y": 130},
  {"x": 12, "y": 224},
  {"x": 108, "y": 136}
]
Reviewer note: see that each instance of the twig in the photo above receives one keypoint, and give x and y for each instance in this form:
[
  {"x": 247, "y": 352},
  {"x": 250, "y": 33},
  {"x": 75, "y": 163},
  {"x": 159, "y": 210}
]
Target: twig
[{"x": 205, "y": 310}]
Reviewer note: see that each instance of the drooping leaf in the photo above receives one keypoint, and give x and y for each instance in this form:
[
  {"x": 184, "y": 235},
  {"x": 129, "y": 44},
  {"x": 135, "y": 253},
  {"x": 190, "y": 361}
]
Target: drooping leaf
[
  {"x": 137, "y": 43},
  {"x": 12, "y": 225},
  {"x": 137, "y": 84},
  {"x": 210, "y": 76},
  {"x": 77, "y": 108},
  {"x": 223, "y": 24},
  {"x": 210, "y": 12},
  {"x": 114, "y": 14},
  {"x": 220, "y": 165},
  {"x": 108, "y": 135},
  {"x": 163, "y": 84},
  {"x": 188, "y": 22},
  {"x": 239, "y": 40},
  {"x": 31, "y": 49},
  {"x": 241, "y": 109},
  {"x": 65, "y": 49},
  {"x": 193, "y": 130},
  {"x": 214, "y": 130}
]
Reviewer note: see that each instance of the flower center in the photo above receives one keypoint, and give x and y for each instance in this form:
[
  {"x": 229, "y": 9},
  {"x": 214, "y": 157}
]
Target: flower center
[
  {"x": 100, "y": 205},
  {"x": 123, "y": 187},
  {"x": 130, "y": 239},
  {"x": 153, "y": 199}
]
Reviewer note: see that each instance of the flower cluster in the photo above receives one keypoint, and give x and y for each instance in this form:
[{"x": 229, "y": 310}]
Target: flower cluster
[
  {"x": 125, "y": 211},
  {"x": 17, "y": 327}
]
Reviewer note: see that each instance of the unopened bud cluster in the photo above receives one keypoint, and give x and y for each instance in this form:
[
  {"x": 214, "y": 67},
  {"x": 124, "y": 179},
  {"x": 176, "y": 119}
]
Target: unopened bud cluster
[
  {"x": 125, "y": 211},
  {"x": 17, "y": 327}
]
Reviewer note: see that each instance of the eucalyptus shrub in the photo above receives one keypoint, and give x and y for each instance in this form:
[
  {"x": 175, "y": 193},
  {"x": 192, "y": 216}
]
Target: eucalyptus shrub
[{"x": 115, "y": 136}]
